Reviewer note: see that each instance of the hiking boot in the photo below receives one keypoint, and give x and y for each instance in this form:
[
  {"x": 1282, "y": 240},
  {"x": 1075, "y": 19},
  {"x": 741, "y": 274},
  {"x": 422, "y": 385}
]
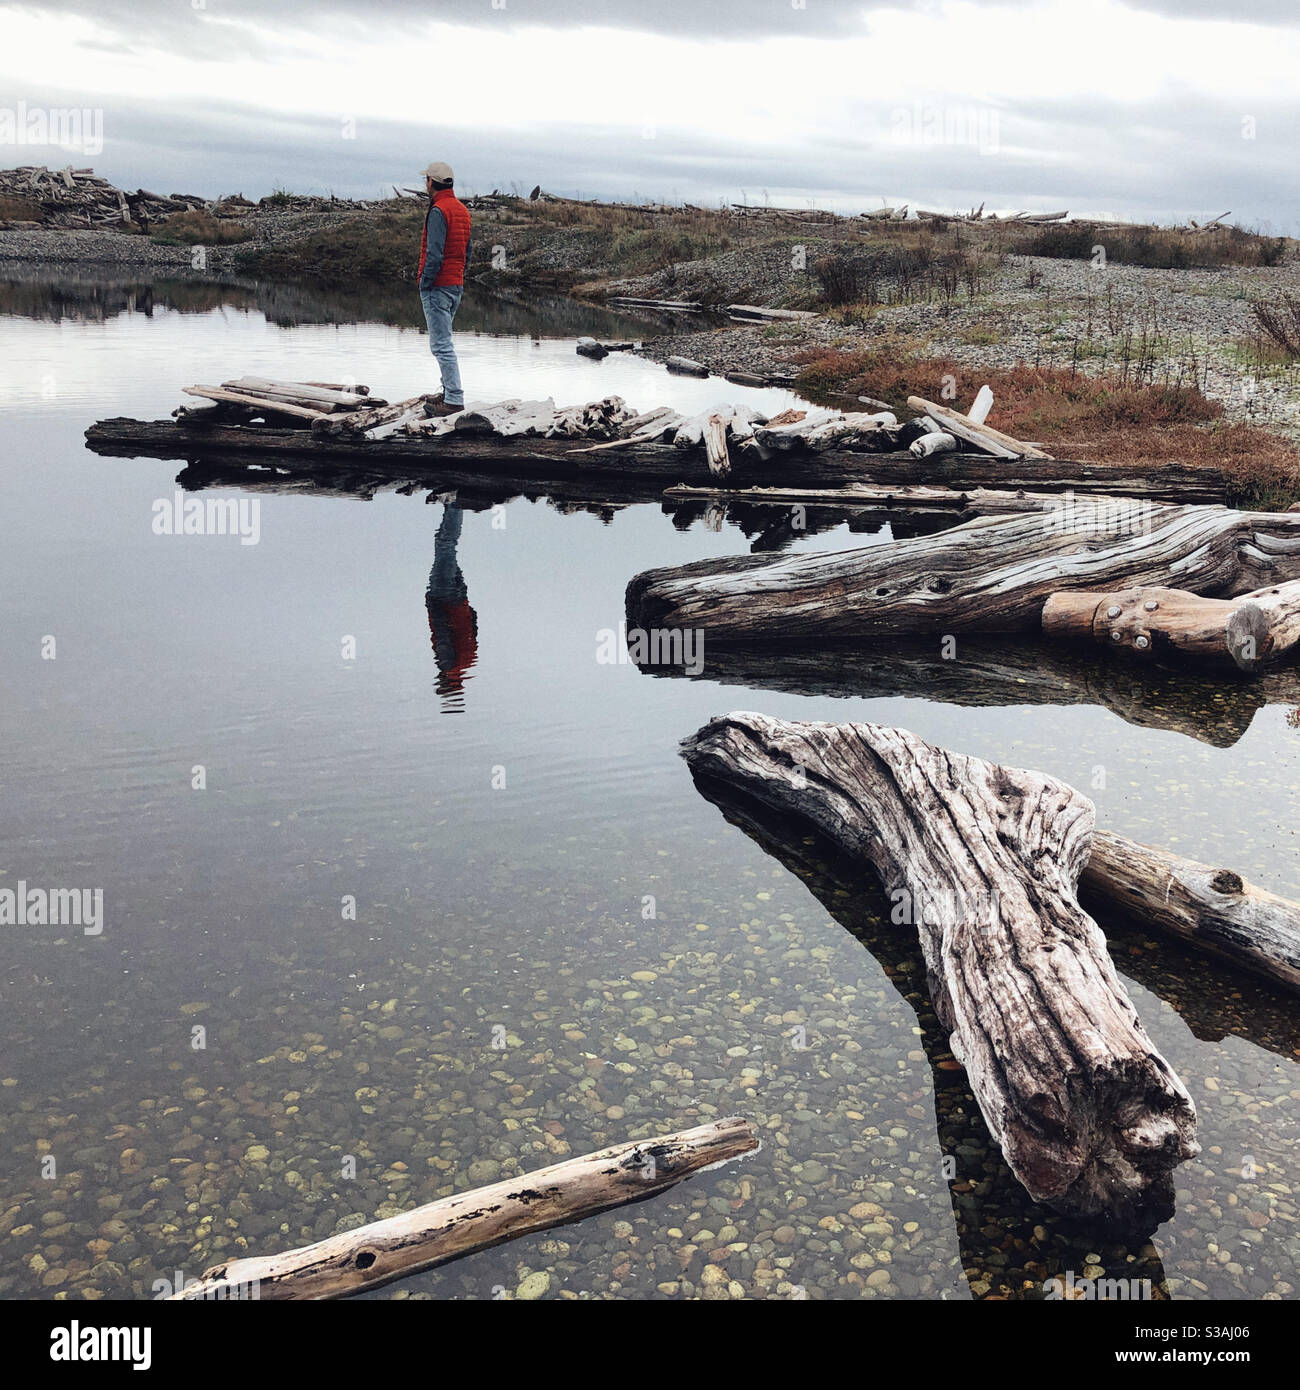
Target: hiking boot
[{"x": 442, "y": 408}]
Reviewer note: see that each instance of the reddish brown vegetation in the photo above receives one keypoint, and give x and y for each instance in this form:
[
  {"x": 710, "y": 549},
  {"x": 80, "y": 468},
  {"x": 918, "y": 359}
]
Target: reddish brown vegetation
[{"x": 1078, "y": 416}]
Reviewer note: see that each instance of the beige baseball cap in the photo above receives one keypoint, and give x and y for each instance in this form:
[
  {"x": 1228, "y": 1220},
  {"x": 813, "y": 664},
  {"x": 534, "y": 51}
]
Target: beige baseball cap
[{"x": 438, "y": 172}]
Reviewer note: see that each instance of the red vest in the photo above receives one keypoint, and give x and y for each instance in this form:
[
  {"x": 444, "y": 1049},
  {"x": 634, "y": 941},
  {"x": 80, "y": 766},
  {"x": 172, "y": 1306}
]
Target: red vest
[{"x": 457, "y": 242}]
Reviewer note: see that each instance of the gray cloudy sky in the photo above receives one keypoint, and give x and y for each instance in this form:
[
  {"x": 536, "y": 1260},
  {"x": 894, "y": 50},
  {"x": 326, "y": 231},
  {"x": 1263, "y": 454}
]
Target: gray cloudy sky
[{"x": 1148, "y": 108}]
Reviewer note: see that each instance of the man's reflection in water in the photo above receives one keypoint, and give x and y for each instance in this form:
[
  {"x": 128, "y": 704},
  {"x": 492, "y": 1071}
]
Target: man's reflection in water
[{"x": 453, "y": 624}]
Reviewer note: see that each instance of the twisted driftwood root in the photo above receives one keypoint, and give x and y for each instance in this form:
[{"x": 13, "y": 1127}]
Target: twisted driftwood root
[{"x": 984, "y": 860}]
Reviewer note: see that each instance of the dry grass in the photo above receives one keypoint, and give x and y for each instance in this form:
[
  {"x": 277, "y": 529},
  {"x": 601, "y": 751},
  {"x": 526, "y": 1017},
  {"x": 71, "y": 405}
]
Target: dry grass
[
  {"x": 1161, "y": 248},
  {"x": 198, "y": 228},
  {"x": 358, "y": 250},
  {"x": 1078, "y": 416}
]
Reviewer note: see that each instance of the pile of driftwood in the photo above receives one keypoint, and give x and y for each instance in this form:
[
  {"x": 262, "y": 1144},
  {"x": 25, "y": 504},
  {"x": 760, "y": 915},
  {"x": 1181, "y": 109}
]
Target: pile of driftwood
[
  {"x": 248, "y": 398},
  {"x": 80, "y": 198},
  {"x": 332, "y": 408},
  {"x": 851, "y": 461}
]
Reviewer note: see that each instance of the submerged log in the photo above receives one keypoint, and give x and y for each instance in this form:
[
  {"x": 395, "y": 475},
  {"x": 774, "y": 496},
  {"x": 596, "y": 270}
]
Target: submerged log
[
  {"x": 992, "y": 574},
  {"x": 454, "y": 1226},
  {"x": 984, "y": 860},
  {"x": 1250, "y": 631},
  {"x": 1209, "y": 909}
]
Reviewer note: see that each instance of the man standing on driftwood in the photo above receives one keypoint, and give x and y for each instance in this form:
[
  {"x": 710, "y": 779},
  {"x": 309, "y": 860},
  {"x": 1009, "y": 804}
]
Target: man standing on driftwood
[{"x": 444, "y": 254}]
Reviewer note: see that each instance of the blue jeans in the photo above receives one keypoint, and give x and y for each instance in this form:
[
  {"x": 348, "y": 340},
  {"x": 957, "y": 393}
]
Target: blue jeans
[{"x": 440, "y": 305}]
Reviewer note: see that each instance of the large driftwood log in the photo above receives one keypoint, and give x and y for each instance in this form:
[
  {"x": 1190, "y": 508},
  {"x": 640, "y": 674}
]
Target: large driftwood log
[
  {"x": 454, "y": 1226},
  {"x": 984, "y": 860},
  {"x": 992, "y": 574},
  {"x": 639, "y": 461},
  {"x": 1250, "y": 631},
  {"x": 1209, "y": 909}
]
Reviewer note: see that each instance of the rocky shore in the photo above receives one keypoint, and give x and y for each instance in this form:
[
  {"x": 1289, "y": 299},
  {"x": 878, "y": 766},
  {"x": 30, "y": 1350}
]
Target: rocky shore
[
  {"x": 1181, "y": 327},
  {"x": 1192, "y": 327}
]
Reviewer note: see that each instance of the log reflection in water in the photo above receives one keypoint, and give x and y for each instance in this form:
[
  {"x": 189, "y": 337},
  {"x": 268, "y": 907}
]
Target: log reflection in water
[{"x": 1009, "y": 671}]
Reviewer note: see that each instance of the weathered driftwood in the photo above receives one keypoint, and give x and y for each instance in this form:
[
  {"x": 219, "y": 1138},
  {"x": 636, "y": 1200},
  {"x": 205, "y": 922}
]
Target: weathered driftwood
[
  {"x": 259, "y": 403},
  {"x": 506, "y": 419},
  {"x": 358, "y": 421},
  {"x": 981, "y": 405},
  {"x": 992, "y": 574},
  {"x": 975, "y": 432},
  {"x": 591, "y": 420},
  {"x": 214, "y": 412},
  {"x": 1209, "y": 909},
  {"x": 1250, "y": 631},
  {"x": 715, "y": 442},
  {"x": 305, "y": 392},
  {"x": 357, "y": 389},
  {"x": 984, "y": 860},
  {"x": 830, "y": 429},
  {"x": 933, "y": 442},
  {"x": 411, "y": 419},
  {"x": 454, "y": 1226}
]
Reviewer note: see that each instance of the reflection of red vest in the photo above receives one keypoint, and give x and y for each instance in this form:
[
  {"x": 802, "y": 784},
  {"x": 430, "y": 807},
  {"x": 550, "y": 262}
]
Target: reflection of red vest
[
  {"x": 462, "y": 632},
  {"x": 457, "y": 242}
]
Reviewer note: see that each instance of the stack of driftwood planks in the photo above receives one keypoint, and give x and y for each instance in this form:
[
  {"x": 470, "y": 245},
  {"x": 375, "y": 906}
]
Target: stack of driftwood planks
[{"x": 248, "y": 398}]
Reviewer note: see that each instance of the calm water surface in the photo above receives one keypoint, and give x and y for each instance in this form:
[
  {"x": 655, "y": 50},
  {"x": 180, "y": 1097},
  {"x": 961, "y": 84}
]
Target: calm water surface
[{"x": 449, "y": 906}]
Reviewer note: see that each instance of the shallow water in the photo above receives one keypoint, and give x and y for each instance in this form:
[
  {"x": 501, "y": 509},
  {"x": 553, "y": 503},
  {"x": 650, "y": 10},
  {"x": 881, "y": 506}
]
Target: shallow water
[{"x": 503, "y": 811}]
